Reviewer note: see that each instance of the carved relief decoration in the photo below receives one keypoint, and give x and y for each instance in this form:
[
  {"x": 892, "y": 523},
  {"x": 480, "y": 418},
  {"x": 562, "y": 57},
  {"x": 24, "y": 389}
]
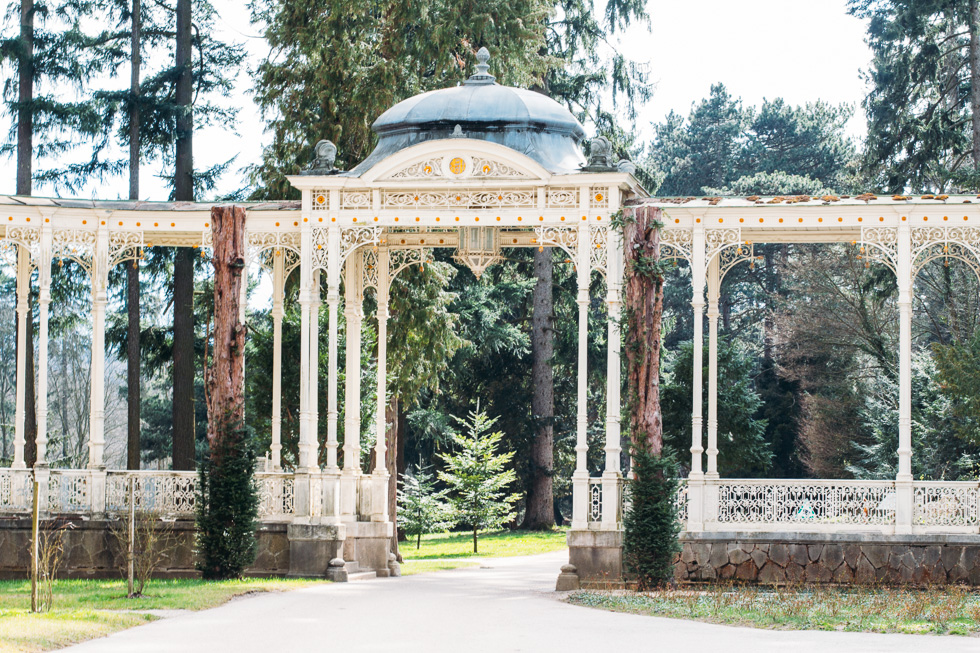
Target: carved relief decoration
[{"x": 880, "y": 244}]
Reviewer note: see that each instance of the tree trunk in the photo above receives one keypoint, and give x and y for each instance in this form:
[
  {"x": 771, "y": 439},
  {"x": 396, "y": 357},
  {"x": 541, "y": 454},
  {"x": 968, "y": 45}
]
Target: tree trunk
[
  {"x": 184, "y": 164},
  {"x": 183, "y": 360},
  {"x": 975, "y": 78},
  {"x": 540, "y": 513},
  {"x": 25, "y": 154},
  {"x": 474, "y": 540},
  {"x": 226, "y": 375},
  {"x": 25, "y": 96},
  {"x": 643, "y": 301},
  {"x": 134, "y": 108},
  {"x": 133, "y": 395},
  {"x": 183, "y": 364}
]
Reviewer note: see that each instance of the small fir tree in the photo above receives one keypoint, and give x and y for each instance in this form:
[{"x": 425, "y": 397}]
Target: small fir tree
[
  {"x": 422, "y": 509},
  {"x": 478, "y": 476},
  {"x": 227, "y": 508}
]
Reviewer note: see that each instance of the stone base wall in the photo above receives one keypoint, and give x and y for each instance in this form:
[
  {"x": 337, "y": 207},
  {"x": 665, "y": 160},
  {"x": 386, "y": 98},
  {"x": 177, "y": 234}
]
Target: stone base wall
[
  {"x": 92, "y": 551},
  {"x": 597, "y": 557},
  {"x": 861, "y": 558}
]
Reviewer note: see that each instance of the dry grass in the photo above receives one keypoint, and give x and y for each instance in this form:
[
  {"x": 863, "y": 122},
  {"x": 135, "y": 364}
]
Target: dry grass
[{"x": 940, "y": 610}]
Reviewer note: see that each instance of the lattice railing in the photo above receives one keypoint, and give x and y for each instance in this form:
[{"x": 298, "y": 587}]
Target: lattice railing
[
  {"x": 16, "y": 490},
  {"x": 946, "y": 503},
  {"x": 806, "y": 502},
  {"x": 69, "y": 491},
  {"x": 276, "y": 495},
  {"x": 680, "y": 502},
  {"x": 595, "y": 500},
  {"x": 169, "y": 494}
]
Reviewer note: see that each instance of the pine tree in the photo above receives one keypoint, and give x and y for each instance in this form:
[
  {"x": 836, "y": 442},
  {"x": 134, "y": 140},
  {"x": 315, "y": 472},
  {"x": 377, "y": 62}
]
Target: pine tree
[
  {"x": 477, "y": 476},
  {"x": 421, "y": 508},
  {"x": 923, "y": 105}
]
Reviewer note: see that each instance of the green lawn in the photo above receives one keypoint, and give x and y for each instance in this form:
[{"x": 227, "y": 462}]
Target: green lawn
[
  {"x": 951, "y": 611},
  {"x": 86, "y": 609},
  {"x": 455, "y": 550}
]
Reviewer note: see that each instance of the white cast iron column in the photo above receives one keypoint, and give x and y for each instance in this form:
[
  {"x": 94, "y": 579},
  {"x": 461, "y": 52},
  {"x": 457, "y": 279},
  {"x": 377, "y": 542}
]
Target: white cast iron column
[
  {"x": 44, "y": 301},
  {"x": 379, "y": 507},
  {"x": 23, "y": 290},
  {"x": 100, "y": 280},
  {"x": 333, "y": 302},
  {"x": 307, "y": 431},
  {"x": 695, "y": 519},
  {"x": 314, "y": 380},
  {"x": 278, "y": 283},
  {"x": 612, "y": 474},
  {"x": 353, "y": 314},
  {"x": 903, "y": 482},
  {"x": 580, "y": 478},
  {"x": 714, "y": 288},
  {"x": 307, "y": 464}
]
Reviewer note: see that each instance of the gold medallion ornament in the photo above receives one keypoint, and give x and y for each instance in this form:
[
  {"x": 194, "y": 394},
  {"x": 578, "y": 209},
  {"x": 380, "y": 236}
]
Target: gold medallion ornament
[{"x": 457, "y": 166}]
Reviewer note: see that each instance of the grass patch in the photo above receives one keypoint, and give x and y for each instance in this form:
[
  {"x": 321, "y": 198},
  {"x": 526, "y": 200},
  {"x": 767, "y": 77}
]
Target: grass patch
[
  {"x": 22, "y": 632},
  {"x": 943, "y": 611},
  {"x": 86, "y": 609},
  {"x": 443, "y": 551}
]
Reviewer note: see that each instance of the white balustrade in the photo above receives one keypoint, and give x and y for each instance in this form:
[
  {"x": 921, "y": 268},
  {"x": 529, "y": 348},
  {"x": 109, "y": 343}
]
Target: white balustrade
[
  {"x": 69, "y": 491},
  {"x": 165, "y": 493},
  {"x": 595, "y": 501},
  {"x": 680, "y": 502},
  {"x": 16, "y": 490},
  {"x": 805, "y": 504},
  {"x": 276, "y": 496},
  {"x": 946, "y": 505}
]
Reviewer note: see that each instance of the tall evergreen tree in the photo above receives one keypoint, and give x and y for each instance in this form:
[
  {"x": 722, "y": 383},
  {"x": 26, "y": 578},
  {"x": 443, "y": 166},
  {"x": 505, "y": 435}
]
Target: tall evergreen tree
[{"x": 923, "y": 104}]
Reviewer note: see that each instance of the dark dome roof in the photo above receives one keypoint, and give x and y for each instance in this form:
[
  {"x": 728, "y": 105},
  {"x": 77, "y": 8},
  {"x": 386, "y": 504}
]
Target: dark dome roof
[{"x": 525, "y": 121}]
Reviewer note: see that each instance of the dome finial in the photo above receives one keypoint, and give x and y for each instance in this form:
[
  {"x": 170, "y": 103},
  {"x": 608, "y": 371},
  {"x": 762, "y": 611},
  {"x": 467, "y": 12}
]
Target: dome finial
[{"x": 482, "y": 76}]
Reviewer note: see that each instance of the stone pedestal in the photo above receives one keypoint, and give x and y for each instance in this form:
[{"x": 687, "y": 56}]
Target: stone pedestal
[
  {"x": 597, "y": 557},
  {"x": 312, "y": 547}
]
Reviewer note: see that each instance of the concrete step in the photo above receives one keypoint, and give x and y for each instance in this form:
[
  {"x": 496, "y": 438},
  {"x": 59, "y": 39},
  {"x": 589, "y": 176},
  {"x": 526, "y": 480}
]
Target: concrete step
[{"x": 361, "y": 575}]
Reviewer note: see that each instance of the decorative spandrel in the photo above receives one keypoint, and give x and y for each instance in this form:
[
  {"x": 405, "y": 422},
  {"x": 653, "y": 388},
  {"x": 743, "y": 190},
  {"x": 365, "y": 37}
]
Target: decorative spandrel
[
  {"x": 402, "y": 259},
  {"x": 716, "y": 240},
  {"x": 932, "y": 243},
  {"x": 264, "y": 247},
  {"x": 565, "y": 238},
  {"x": 676, "y": 244},
  {"x": 74, "y": 244},
  {"x": 125, "y": 246},
  {"x": 879, "y": 245},
  {"x": 27, "y": 237},
  {"x": 353, "y": 237},
  {"x": 732, "y": 255}
]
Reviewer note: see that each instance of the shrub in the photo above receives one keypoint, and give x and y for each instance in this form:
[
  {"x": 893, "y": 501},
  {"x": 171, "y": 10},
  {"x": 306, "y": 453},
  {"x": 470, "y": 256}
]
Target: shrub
[
  {"x": 650, "y": 522},
  {"x": 227, "y": 508}
]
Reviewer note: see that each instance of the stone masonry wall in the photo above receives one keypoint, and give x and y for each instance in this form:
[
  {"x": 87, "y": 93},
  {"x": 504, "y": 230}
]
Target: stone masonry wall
[
  {"x": 92, "y": 551},
  {"x": 862, "y": 558}
]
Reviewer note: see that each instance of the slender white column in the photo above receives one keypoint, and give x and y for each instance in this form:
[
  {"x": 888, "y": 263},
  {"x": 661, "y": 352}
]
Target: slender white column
[
  {"x": 695, "y": 512},
  {"x": 580, "y": 477},
  {"x": 307, "y": 432},
  {"x": 314, "y": 371},
  {"x": 23, "y": 290},
  {"x": 381, "y": 423},
  {"x": 333, "y": 301},
  {"x": 714, "y": 288},
  {"x": 379, "y": 501},
  {"x": 611, "y": 499},
  {"x": 353, "y": 314},
  {"x": 100, "y": 281},
  {"x": 278, "y": 283},
  {"x": 44, "y": 301},
  {"x": 903, "y": 481}
]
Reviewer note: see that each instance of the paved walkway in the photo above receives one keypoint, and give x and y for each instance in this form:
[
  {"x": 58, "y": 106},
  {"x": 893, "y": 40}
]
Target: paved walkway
[{"x": 507, "y": 605}]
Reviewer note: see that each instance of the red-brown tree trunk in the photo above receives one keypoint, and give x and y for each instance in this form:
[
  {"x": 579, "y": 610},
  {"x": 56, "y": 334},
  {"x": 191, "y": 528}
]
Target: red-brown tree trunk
[
  {"x": 226, "y": 375},
  {"x": 643, "y": 304}
]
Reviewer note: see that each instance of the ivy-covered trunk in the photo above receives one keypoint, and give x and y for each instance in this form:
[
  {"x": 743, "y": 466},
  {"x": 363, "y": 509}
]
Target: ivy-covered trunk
[
  {"x": 643, "y": 304},
  {"x": 228, "y": 504},
  {"x": 650, "y": 523}
]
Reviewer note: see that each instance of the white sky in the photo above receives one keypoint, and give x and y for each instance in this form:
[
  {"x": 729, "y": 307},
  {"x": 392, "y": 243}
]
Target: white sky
[{"x": 801, "y": 50}]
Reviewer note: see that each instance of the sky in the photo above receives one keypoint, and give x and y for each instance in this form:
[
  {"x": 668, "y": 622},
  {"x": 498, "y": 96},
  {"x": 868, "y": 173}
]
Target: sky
[{"x": 800, "y": 50}]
